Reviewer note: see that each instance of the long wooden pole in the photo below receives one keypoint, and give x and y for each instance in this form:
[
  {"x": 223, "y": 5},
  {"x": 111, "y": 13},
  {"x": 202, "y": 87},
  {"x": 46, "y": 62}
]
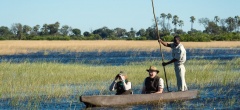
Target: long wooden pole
[{"x": 160, "y": 44}]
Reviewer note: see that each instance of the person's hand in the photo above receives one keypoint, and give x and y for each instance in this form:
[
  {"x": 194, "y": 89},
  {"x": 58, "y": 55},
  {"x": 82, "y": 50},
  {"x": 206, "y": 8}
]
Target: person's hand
[
  {"x": 122, "y": 77},
  {"x": 164, "y": 64},
  {"x": 116, "y": 77},
  {"x": 159, "y": 40}
]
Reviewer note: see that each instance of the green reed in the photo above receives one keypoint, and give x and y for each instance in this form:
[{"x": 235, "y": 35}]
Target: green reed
[{"x": 55, "y": 79}]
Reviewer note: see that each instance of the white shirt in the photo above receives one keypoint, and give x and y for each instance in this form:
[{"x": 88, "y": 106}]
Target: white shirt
[{"x": 179, "y": 53}]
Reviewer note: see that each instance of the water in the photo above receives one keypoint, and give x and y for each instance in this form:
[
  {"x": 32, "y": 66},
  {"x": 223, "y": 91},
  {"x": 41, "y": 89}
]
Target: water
[
  {"x": 119, "y": 58},
  {"x": 210, "y": 97},
  {"x": 213, "y": 96}
]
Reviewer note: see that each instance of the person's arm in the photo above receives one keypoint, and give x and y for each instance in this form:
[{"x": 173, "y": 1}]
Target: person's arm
[
  {"x": 177, "y": 57},
  {"x": 164, "y": 43},
  {"x": 127, "y": 86},
  {"x": 171, "y": 61},
  {"x": 161, "y": 86},
  {"x": 112, "y": 86},
  {"x": 159, "y": 91}
]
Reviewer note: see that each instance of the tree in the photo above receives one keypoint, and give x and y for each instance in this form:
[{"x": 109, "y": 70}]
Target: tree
[
  {"x": 4, "y": 31},
  {"x": 216, "y": 19},
  {"x": 26, "y": 29},
  {"x": 163, "y": 16},
  {"x": 237, "y": 22},
  {"x": 204, "y": 22},
  {"x": 17, "y": 30},
  {"x": 231, "y": 24},
  {"x": 141, "y": 32},
  {"x": 194, "y": 31},
  {"x": 36, "y": 29},
  {"x": 53, "y": 28},
  {"x": 223, "y": 25},
  {"x": 212, "y": 28},
  {"x": 151, "y": 33},
  {"x": 65, "y": 30},
  {"x": 192, "y": 19},
  {"x": 180, "y": 23},
  {"x": 14, "y": 29},
  {"x": 119, "y": 32},
  {"x": 86, "y": 34},
  {"x": 104, "y": 32},
  {"x": 179, "y": 31},
  {"x": 131, "y": 33},
  {"x": 44, "y": 29},
  {"x": 76, "y": 32},
  {"x": 175, "y": 21},
  {"x": 169, "y": 16}
]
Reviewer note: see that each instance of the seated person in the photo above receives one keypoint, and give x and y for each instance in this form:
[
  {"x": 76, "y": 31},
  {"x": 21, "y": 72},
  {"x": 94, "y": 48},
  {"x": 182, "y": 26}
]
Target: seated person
[
  {"x": 153, "y": 83},
  {"x": 121, "y": 84}
]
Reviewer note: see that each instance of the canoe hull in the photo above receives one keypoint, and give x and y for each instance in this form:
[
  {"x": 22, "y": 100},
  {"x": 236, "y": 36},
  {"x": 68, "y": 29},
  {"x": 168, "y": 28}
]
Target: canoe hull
[{"x": 119, "y": 100}]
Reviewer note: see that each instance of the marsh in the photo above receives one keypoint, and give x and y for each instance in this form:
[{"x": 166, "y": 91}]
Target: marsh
[{"x": 54, "y": 79}]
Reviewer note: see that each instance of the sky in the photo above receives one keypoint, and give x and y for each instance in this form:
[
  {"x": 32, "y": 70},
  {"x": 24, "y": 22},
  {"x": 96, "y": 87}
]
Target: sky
[{"x": 89, "y": 15}]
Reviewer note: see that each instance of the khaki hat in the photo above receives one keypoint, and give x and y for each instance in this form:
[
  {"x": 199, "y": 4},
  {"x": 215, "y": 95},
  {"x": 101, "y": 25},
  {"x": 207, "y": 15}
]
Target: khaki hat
[{"x": 152, "y": 68}]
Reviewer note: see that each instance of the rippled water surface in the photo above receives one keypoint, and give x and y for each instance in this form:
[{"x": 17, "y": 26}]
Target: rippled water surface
[{"x": 119, "y": 58}]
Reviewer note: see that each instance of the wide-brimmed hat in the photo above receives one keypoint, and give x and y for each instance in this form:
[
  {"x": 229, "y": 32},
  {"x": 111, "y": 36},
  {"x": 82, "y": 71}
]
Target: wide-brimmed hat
[{"x": 153, "y": 68}]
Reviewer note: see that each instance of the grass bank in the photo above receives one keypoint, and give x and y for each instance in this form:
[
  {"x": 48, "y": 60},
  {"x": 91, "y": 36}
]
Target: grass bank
[{"x": 24, "y": 47}]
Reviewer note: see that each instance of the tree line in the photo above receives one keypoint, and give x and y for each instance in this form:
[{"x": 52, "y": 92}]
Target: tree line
[{"x": 214, "y": 30}]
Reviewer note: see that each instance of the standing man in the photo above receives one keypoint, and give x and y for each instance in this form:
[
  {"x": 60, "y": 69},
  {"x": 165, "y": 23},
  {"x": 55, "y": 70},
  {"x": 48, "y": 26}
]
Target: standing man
[
  {"x": 179, "y": 58},
  {"x": 153, "y": 83}
]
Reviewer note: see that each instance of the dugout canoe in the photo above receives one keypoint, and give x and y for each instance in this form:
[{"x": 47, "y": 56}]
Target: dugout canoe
[{"x": 133, "y": 99}]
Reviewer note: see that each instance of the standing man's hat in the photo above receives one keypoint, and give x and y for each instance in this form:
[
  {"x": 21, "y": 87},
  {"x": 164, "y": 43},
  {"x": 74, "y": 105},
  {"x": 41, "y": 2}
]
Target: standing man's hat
[{"x": 152, "y": 68}]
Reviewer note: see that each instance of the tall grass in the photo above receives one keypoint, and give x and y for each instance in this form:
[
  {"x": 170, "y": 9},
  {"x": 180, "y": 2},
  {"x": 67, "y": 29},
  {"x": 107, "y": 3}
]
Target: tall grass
[
  {"x": 23, "y": 47},
  {"x": 59, "y": 80},
  {"x": 30, "y": 84}
]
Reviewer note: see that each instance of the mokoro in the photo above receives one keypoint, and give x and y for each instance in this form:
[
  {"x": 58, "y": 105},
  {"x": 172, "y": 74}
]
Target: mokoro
[{"x": 133, "y": 99}]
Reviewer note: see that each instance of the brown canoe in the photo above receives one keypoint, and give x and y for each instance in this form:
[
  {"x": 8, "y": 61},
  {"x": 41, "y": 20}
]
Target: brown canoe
[{"x": 119, "y": 100}]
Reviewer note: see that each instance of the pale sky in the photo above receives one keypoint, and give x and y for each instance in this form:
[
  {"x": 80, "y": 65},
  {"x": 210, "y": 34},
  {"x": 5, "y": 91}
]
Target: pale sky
[{"x": 93, "y": 14}]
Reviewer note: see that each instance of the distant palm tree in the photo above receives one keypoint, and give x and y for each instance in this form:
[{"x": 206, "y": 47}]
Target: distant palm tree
[
  {"x": 175, "y": 21},
  {"x": 180, "y": 23},
  {"x": 163, "y": 16},
  {"x": 192, "y": 19},
  {"x": 169, "y": 16},
  {"x": 216, "y": 19}
]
